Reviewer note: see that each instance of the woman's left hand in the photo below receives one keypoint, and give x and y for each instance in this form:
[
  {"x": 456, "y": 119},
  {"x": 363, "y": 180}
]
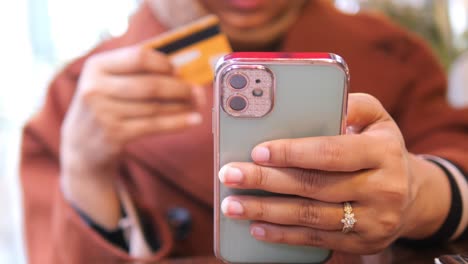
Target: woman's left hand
[{"x": 368, "y": 167}]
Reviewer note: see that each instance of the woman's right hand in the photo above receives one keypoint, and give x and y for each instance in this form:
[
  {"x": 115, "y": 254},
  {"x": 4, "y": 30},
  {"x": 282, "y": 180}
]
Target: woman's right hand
[{"x": 122, "y": 95}]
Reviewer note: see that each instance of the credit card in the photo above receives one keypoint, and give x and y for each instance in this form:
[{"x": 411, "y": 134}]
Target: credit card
[{"x": 194, "y": 49}]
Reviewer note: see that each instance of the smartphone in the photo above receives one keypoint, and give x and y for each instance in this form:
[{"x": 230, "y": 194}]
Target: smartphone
[{"x": 265, "y": 96}]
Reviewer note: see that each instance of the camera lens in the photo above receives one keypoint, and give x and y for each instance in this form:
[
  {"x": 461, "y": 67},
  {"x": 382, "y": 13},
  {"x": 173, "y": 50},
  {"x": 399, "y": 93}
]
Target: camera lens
[
  {"x": 237, "y": 103},
  {"x": 238, "y": 81}
]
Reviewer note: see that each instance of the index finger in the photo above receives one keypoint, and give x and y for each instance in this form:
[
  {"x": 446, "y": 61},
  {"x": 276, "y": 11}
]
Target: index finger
[
  {"x": 325, "y": 186},
  {"x": 133, "y": 59},
  {"x": 147, "y": 87},
  {"x": 336, "y": 153}
]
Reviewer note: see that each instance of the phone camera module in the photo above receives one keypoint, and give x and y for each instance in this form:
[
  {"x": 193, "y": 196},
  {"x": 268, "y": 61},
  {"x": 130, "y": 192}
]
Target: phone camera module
[
  {"x": 257, "y": 92},
  {"x": 238, "y": 81},
  {"x": 246, "y": 90},
  {"x": 237, "y": 103}
]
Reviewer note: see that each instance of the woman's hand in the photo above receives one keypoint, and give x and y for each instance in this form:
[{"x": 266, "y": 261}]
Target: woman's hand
[
  {"x": 122, "y": 95},
  {"x": 391, "y": 190}
]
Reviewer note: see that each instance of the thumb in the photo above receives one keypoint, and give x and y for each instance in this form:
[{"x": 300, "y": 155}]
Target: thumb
[{"x": 364, "y": 110}]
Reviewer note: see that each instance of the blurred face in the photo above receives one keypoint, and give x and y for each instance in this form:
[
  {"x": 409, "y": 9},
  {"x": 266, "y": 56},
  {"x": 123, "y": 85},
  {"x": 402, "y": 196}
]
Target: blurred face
[{"x": 254, "y": 23}]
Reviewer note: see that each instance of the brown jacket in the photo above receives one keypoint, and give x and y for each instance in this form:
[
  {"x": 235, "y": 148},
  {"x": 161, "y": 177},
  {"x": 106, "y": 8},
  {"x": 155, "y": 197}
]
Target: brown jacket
[{"x": 176, "y": 171}]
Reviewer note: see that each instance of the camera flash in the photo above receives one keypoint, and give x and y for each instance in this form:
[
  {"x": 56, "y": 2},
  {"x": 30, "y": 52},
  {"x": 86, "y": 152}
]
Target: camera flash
[{"x": 257, "y": 92}]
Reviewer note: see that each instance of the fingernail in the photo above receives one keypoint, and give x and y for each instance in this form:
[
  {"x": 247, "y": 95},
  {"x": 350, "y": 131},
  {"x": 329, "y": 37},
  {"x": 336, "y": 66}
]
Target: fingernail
[
  {"x": 194, "y": 119},
  {"x": 230, "y": 207},
  {"x": 350, "y": 130},
  {"x": 261, "y": 154},
  {"x": 257, "y": 231},
  {"x": 229, "y": 174}
]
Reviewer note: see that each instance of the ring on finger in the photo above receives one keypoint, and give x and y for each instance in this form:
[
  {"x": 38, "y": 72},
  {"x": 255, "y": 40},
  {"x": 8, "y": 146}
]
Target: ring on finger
[{"x": 348, "y": 219}]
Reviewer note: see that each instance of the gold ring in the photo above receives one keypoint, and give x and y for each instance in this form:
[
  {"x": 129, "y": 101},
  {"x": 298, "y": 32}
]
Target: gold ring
[{"x": 348, "y": 219}]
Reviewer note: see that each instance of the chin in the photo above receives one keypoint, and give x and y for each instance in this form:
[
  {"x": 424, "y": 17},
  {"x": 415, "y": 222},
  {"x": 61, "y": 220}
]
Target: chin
[
  {"x": 250, "y": 40},
  {"x": 243, "y": 21}
]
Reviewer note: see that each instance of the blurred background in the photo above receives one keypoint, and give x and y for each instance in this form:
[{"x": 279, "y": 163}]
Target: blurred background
[{"x": 41, "y": 36}]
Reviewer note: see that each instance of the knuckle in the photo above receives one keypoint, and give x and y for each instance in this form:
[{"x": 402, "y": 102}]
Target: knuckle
[
  {"x": 308, "y": 214},
  {"x": 394, "y": 147},
  {"x": 262, "y": 210},
  {"x": 285, "y": 152},
  {"x": 261, "y": 179},
  {"x": 156, "y": 108},
  {"x": 186, "y": 93},
  {"x": 182, "y": 88},
  {"x": 314, "y": 238},
  {"x": 89, "y": 95},
  {"x": 281, "y": 237},
  {"x": 144, "y": 93},
  {"x": 112, "y": 131},
  {"x": 140, "y": 55},
  {"x": 331, "y": 152},
  {"x": 310, "y": 182},
  {"x": 92, "y": 62},
  {"x": 388, "y": 226},
  {"x": 89, "y": 88},
  {"x": 397, "y": 193},
  {"x": 111, "y": 134},
  {"x": 162, "y": 124}
]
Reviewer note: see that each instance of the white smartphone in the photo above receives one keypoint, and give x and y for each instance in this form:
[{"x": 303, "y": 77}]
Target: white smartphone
[{"x": 265, "y": 96}]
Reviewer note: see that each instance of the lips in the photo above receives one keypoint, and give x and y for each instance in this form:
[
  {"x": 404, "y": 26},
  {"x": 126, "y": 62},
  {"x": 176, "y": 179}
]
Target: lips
[{"x": 246, "y": 5}]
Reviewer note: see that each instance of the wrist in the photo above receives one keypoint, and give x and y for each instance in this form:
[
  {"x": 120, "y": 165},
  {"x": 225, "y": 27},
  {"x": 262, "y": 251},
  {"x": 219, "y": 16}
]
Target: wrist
[
  {"x": 432, "y": 200},
  {"x": 92, "y": 192}
]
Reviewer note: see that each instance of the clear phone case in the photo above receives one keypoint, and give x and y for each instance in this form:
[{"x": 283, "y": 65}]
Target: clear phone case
[{"x": 304, "y": 95}]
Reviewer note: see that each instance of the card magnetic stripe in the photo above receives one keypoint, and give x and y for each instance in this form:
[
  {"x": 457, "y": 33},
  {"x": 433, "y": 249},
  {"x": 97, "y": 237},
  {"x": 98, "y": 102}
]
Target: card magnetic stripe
[{"x": 189, "y": 40}]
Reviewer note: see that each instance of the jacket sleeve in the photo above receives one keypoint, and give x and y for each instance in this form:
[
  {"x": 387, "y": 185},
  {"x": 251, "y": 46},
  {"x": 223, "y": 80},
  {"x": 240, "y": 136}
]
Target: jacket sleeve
[
  {"x": 54, "y": 231},
  {"x": 429, "y": 124}
]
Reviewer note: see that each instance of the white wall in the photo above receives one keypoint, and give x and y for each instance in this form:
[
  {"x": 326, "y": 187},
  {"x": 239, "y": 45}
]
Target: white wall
[{"x": 74, "y": 27}]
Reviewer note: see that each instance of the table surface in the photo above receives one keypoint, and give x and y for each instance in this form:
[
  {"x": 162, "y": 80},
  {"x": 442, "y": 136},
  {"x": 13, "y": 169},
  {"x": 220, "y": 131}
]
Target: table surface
[{"x": 395, "y": 254}]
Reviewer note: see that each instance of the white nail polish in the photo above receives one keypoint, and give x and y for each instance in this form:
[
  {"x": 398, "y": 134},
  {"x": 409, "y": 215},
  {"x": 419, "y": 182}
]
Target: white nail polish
[
  {"x": 222, "y": 174},
  {"x": 258, "y": 232},
  {"x": 224, "y": 206},
  {"x": 194, "y": 119}
]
